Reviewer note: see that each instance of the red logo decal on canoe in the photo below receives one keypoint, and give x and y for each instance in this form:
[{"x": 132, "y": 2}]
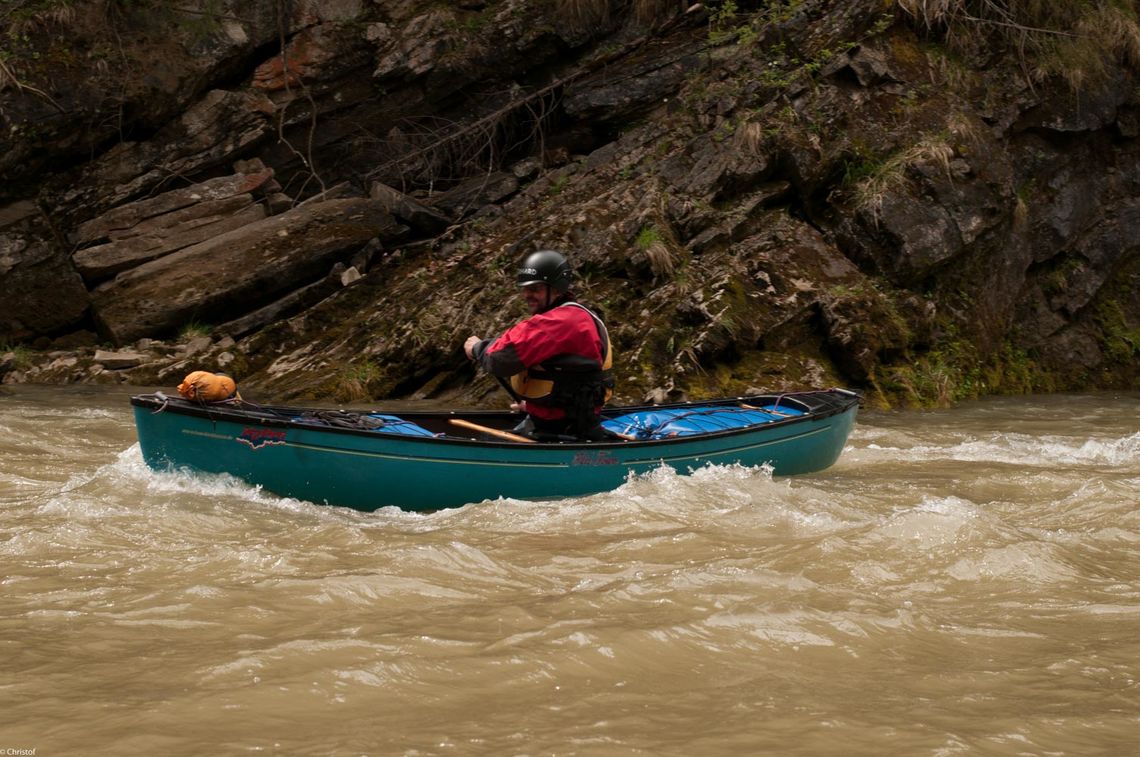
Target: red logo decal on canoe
[
  {"x": 594, "y": 458},
  {"x": 257, "y": 438}
]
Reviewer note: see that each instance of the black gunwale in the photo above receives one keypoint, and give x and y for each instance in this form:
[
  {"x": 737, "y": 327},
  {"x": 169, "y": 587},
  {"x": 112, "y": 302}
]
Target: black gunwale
[{"x": 829, "y": 402}]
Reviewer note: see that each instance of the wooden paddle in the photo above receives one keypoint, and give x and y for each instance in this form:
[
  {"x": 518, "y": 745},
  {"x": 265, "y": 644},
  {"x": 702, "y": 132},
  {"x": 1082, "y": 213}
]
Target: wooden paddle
[
  {"x": 492, "y": 431},
  {"x": 773, "y": 411}
]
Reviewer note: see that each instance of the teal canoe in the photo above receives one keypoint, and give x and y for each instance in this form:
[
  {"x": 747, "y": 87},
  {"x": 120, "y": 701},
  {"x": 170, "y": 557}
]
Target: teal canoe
[{"x": 432, "y": 460}]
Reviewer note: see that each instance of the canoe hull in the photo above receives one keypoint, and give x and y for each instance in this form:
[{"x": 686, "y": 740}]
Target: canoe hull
[{"x": 369, "y": 470}]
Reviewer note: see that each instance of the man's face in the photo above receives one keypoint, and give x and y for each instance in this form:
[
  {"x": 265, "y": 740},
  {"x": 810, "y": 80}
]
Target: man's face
[{"x": 537, "y": 296}]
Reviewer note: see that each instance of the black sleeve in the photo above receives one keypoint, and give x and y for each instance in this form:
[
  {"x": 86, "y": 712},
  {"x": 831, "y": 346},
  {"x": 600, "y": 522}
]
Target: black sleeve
[{"x": 504, "y": 362}]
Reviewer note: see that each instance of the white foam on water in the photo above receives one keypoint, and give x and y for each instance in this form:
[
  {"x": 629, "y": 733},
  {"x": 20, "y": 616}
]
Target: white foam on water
[
  {"x": 129, "y": 468},
  {"x": 789, "y": 628},
  {"x": 660, "y": 493},
  {"x": 1017, "y": 449},
  {"x": 1030, "y": 562},
  {"x": 177, "y": 487},
  {"x": 934, "y": 523}
]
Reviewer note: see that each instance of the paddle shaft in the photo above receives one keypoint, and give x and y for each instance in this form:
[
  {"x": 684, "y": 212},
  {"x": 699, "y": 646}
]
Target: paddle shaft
[
  {"x": 774, "y": 411},
  {"x": 492, "y": 431}
]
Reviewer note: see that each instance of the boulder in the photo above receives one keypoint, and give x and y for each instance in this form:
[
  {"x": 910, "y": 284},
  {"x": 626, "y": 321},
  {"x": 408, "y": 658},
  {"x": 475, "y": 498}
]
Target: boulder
[
  {"x": 123, "y": 221},
  {"x": 1084, "y": 110},
  {"x": 923, "y": 236},
  {"x": 113, "y": 360},
  {"x": 288, "y": 305},
  {"x": 350, "y": 276},
  {"x": 321, "y": 52},
  {"x": 165, "y": 234},
  {"x": 237, "y": 272},
  {"x": 419, "y": 48},
  {"x": 1102, "y": 251},
  {"x": 417, "y": 215},
  {"x": 209, "y": 134},
  {"x": 645, "y": 85},
  {"x": 471, "y": 195},
  {"x": 41, "y": 292}
]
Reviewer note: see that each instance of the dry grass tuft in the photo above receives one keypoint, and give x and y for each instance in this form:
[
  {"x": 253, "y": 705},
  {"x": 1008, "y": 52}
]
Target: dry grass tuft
[
  {"x": 658, "y": 250},
  {"x": 1075, "y": 40},
  {"x": 20, "y": 17},
  {"x": 1113, "y": 28},
  {"x": 891, "y": 175},
  {"x": 652, "y": 11},
  {"x": 661, "y": 260},
  {"x": 586, "y": 14},
  {"x": 750, "y": 137},
  {"x": 353, "y": 382}
]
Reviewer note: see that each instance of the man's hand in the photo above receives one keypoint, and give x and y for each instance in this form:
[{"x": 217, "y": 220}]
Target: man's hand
[{"x": 469, "y": 345}]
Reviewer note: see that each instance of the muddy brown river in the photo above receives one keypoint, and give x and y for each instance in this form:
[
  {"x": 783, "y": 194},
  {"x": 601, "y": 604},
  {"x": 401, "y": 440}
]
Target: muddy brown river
[{"x": 962, "y": 582}]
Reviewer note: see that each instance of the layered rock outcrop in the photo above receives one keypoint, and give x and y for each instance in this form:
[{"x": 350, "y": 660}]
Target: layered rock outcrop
[{"x": 810, "y": 193}]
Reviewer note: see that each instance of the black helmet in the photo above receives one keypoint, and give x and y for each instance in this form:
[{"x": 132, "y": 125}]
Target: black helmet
[{"x": 546, "y": 267}]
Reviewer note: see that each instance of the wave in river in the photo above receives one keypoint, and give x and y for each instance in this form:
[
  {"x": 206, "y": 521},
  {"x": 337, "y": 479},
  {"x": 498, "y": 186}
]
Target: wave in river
[{"x": 1015, "y": 449}]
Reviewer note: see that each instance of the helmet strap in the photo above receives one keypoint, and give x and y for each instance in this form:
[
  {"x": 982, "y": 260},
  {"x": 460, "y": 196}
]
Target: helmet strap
[{"x": 555, "y": 298}]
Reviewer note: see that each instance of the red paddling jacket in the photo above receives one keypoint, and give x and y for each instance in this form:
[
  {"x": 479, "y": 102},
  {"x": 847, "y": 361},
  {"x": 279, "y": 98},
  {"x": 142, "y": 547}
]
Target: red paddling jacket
[{"x": 558, "y": 361}]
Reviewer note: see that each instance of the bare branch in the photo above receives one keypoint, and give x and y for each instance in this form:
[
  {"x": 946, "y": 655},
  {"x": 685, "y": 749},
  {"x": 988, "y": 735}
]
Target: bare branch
[{"x": 9, "y": 79}]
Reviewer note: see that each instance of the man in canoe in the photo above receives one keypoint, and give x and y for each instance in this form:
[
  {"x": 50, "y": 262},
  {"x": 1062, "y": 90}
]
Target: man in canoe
[{"x": 556, "y": 363}]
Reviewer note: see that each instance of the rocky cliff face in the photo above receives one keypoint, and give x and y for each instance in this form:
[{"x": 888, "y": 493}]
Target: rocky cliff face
[{"x": 332, "y": 196}]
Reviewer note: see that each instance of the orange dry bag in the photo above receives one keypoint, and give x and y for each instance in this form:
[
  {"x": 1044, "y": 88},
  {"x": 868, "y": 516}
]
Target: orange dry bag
[{"x": 207, "y": 387}]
